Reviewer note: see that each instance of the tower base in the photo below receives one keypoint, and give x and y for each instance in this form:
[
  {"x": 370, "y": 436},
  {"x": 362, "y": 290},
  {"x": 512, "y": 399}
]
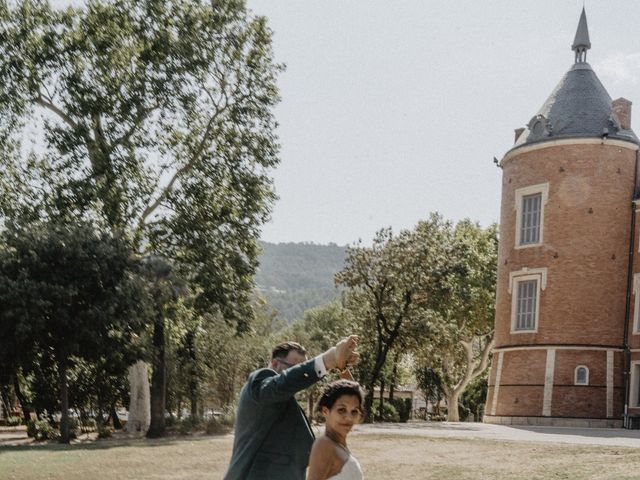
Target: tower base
[{"x": 555, "y": 421}]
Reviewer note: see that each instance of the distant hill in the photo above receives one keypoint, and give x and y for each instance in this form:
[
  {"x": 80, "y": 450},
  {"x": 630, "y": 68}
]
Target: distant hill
[{"x": 294, "y": 277}]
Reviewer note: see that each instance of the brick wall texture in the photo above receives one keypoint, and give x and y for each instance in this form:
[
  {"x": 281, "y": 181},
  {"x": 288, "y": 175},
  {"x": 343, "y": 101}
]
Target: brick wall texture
[{"x": 585, "y": 249}]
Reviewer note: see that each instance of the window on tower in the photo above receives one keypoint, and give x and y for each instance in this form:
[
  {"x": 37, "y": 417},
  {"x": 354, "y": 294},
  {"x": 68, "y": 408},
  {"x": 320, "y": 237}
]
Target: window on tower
[
  {"x": 530, "y": 225},
  {"x": 582, "y": 375},
  {"x": 525, "y": 287},
  {"x": 529, "y": 206},
  {"x": 527, "y": 304}
]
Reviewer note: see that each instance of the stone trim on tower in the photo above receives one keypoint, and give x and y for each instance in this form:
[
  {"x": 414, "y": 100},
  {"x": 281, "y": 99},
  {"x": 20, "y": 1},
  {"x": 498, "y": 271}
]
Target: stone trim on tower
[
  {"x": 522, "y": 194},
  {"x": 634, "y": 397},
  {"x": 548, "y": 382},
  {"x": 496, "y": 387},
  {"x": 609, "y": 383},
  {"x": 528, "y": 308}
]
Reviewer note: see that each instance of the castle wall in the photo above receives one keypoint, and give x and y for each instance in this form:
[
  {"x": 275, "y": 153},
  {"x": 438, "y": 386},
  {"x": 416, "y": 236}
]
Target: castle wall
[{"x": 583, "y": 260}]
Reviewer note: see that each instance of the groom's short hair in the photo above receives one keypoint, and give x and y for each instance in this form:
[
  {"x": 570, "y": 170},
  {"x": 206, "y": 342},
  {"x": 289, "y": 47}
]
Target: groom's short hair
[{"x": 283, "y": 349}]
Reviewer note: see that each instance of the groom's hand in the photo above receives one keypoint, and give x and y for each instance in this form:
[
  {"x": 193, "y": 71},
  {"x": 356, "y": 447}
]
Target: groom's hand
[{"x": 343, "y": 354}]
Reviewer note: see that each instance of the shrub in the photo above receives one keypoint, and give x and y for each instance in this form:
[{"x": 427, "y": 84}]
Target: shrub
[
  {"x": 189, "y": 424},
  {"x": 464, "y": 412},
  {"x": 387, "y": 414},
  {"x": 88, "y": 425},
  {"x": 41, "y": 430},
  {"x": 403, "y": 407},
  {"x": 74, "y": 428},
  {"x": 14, "y": 421},
  {"x": 228, "y": 417},
  {"x": 103, "y": 431},
  {"x": 170, "y": 421},
  {"x": 216, "y": 426}
]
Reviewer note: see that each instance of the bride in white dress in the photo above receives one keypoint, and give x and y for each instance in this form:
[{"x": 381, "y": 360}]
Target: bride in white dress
[{"x": 331, "y": 459}]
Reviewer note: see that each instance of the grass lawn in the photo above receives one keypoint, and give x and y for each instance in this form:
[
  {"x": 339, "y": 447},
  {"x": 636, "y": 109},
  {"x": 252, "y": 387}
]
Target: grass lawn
[{"x": 381, "y": 456}]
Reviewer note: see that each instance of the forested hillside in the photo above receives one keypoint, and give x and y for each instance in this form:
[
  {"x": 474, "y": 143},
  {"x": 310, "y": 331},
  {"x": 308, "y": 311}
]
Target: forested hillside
[{"x": 294, "y": 277}]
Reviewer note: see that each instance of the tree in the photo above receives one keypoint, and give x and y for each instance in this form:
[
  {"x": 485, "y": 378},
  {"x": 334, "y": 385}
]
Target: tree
[
  {"x": 157, "y": 120},
  {"x": 66, "y": 293},
  {"x": 474, "y": 397},
  {"x": 430, "y": 383},
  {"x": 462, "y": 337},
  {"x": 391, "y": 286}
]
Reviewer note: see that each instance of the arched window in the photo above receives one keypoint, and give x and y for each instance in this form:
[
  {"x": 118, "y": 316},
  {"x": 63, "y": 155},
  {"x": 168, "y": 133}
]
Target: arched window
[{"x": 582, "y": 375}]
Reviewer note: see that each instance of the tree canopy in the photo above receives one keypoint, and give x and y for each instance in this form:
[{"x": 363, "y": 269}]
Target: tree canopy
[
  {"x": 153, "y": 116},
  {"x": 429, "y": 291},
  {"x": 151, "y": 120},
  {"x": 67, "y": 295}
]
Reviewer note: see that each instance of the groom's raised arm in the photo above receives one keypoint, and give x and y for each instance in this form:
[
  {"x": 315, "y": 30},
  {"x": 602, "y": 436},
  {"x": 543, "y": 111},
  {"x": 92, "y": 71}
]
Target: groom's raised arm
[{"x": 268, "y": 386}]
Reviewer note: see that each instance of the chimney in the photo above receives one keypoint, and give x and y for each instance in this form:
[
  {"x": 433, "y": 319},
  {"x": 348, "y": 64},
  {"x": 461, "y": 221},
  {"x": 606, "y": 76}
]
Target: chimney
[
  {"x": 518, "y": 133},
  {"x": 622, "y": 112}
]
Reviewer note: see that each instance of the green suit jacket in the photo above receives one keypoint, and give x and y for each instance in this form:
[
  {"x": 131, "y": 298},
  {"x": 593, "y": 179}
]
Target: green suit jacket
[{"x": 273, "y": 437}]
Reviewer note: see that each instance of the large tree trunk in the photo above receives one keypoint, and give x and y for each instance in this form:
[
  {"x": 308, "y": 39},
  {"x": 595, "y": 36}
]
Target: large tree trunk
[
  {"x": 194, "y": 405},
  {"x": 65, "y": 436},
  {"x": 368, "y": 399},
  {"x": 452, "y": 406},
  {"x": 394, "y": 375},
  {"x": 381, "y": 358},
  {"x": 194, "y": 383},
  {"x": 158, "y": 381},
  {"x": 474, "y": 368},
  {"x": 381, "y": 409}
]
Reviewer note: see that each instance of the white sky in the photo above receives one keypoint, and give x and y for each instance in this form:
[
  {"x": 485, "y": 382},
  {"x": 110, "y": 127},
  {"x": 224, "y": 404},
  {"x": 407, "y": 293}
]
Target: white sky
[{"x": 393, "y": 109}]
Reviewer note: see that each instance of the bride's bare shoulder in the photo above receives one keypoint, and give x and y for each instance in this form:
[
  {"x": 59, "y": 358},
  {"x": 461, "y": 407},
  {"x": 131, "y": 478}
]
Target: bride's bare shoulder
[{"x": 324, "y": 461}]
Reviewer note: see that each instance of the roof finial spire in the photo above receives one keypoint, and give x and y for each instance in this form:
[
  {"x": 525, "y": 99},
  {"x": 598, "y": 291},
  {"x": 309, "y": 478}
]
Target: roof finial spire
[{"x": 581, "y": 41}]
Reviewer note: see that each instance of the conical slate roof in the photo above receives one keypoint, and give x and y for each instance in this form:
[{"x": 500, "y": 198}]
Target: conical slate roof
[{"x": 579, "y": 106}]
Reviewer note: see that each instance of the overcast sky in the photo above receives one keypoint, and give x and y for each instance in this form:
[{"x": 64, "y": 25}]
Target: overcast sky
[{"x": 393, "y": 109}]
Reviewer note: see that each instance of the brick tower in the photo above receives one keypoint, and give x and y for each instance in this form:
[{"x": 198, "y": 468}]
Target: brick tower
[{"x": 567, "y": 326}]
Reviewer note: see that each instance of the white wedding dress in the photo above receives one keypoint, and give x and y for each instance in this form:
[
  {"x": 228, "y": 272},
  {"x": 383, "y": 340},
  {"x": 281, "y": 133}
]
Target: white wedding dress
[{"x": 350, "y": 470}]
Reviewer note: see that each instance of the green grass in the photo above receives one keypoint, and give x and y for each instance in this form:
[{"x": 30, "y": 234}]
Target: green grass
[{"x": 381, "y": 456}]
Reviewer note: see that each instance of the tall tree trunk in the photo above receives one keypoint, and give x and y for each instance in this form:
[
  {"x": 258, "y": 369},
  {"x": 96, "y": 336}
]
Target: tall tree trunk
[
  {"x": 381, "y": 409},
  {"x": 158, "y": 380},
  {"x": 194, "y": 405},
  {"x": 394, "y": 375},
  {"x": 26, "y": 413},
  {"x": 192, "y": 370},
  {"x": 114, "y": 417},
  {"x": 381, "y": 358},
  {"x": 452, "y": 406},
  {"x": 474, "y": 367},
  {"x": 65, "y": 436}
]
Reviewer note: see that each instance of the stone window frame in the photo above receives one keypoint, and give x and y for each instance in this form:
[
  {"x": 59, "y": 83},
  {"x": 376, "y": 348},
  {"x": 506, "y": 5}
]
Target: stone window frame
[
  {"x": 575, "y": 375},
  {"x": 539, "y": 274},
  {"x": 541, "y": 188},
  {"x": 634, "y": 394},
  {"x": 636, "y": 304}
]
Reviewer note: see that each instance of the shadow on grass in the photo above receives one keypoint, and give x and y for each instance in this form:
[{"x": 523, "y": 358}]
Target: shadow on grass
[{"x": 108, "y": 443}]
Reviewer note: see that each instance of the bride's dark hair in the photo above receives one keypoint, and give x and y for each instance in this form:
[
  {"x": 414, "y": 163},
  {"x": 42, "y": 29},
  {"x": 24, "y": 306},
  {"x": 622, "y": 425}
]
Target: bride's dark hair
[{"x": 335, "y": 390}]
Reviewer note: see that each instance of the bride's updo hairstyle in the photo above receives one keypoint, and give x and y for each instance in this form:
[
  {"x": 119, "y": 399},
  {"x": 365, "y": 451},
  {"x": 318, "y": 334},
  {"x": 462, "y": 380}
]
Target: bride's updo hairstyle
[{"x": 337, "y": 389}]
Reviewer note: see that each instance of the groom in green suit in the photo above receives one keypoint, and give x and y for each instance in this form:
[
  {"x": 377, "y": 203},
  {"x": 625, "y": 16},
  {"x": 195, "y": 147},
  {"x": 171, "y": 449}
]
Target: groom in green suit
[{"x": 273, "y": 436}]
